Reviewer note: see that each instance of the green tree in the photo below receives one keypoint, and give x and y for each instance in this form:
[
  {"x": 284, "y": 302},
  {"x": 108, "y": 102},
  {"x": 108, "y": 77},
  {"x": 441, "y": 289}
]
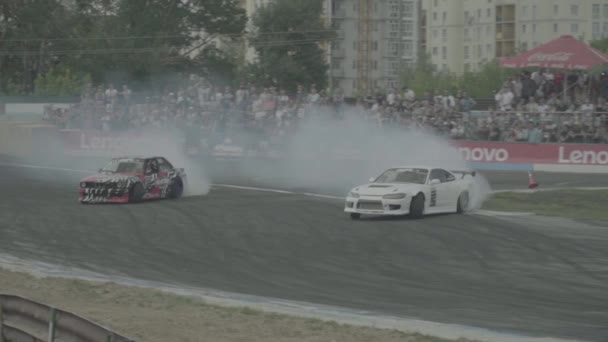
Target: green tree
[
  {"x": 60, "y": 82},
  {"x": 423, "y": 77},
  {"x": 114, "y": 40},
  {"x": 601, "y": 44},
  {"x": 288, "y": 40}
]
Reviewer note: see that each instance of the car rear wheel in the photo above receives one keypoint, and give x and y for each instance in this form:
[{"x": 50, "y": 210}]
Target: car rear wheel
[
  {"x": 417, "y": 206},
  {"x": 463, "y": 203},
  {"x": 137, "y": 193},
  {"x": 176, "y": 189},
  {"x": 355, "y": 216}
]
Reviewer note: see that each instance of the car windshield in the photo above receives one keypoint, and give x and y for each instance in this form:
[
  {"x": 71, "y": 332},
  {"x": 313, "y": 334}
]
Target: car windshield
[
  {"x": 124, "y": 166},
  {"x": 416, "y": 176}
]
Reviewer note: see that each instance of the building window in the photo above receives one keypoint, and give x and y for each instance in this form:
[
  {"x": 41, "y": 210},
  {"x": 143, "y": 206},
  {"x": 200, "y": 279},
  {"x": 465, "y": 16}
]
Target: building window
[
  {"x": 574, "y": 10},
  {"x": 467, "y": 35},
  {"x": 479, "y": 51},
  {"x": 467, "y": 67},
  {"x": 555, "y": 9},
  {"x": 435, "y": 33},
  {"x": 375, "y": 65},
  {"x": 444, "y": 17},
  {"x": 408, "y": 29},
  {"x": 596, "y": 31},
  {"x": 524, "y": 46},
  {"x": 524, "y": 11},
  {"x": 489, "y": 31},
  {"x": 336, "y": 64},
  {"x": 375, "y": 45},
  {"x": 408, "y": 49},
  {"x": 595, "y": 12},
  {"x": 466, "y": 52},
  {"x": 444, "y": 52},
  {"x": 523, "y": 28},
  {"x": 408, "y": 9},
  {"x": 435, "y": 51},
  {"x": 479, "y": 13},
  {"x": 444, "y": 35},
  {"x": 605, "y": 11},
  {"x": 533, "y": 28},
  {"x": 574, "y": 28},
  {"x": 555, "y": 28},
  {"x": 466, "y": 16},
  {"x": 489, "y": 50},
  {"x": 489, "y": 13},
  {"x": 434, "y": 16},
  {"x": 354, "y": 64}
]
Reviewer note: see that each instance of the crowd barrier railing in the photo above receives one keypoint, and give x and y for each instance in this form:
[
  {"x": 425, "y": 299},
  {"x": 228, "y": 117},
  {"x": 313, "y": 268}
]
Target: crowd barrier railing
[{"x": 22, "y": 319}]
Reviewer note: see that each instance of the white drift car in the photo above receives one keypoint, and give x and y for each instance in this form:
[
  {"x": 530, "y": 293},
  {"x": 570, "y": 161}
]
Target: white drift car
[{"x": 416, "y": 191}]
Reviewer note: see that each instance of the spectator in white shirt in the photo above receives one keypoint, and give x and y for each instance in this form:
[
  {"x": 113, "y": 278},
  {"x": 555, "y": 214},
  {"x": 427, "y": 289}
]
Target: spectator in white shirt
[{"x": 504, "y": 99}]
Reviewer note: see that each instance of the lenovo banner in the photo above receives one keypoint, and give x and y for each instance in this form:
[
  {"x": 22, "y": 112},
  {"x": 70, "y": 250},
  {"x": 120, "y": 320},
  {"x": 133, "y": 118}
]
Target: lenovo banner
[
  {"x": 516, "y": 153},
  {"x": 108, "y": 143}
]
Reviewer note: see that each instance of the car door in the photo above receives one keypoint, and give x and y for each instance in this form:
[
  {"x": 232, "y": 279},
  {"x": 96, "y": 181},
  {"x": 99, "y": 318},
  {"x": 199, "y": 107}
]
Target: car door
[
  {"x": 165, "y": 174},
  {"x": 151, "y": 178},
  {"x": 442, "y": 189}
]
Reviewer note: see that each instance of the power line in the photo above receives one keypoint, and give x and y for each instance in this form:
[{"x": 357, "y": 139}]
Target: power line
[
  {"x": 161, "y": 36},
  {"x": 147, "y": 49}
]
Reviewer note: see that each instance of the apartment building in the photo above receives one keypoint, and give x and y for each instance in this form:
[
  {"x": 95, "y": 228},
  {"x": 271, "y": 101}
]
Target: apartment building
[
  {"x": 376, "y": 40},
  {"x": 462, "y": 35}
]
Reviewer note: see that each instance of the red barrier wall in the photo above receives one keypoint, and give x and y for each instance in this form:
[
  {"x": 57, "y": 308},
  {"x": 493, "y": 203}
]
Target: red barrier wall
[{"x": 110, "y": 143}]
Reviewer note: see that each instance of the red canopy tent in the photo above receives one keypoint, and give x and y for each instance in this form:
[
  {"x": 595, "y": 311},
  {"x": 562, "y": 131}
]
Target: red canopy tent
[{"x": 565, "y": 52}]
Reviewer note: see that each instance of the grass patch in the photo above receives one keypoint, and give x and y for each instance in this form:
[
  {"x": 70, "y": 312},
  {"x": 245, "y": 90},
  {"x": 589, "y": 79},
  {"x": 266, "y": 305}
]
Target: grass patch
[
  {"x": 574, "y": 204},
  {"x": 155, "y": 316}
]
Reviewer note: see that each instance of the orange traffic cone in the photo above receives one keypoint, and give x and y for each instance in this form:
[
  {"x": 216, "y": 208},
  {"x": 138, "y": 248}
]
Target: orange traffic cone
[{"x": 532, "y": 182}]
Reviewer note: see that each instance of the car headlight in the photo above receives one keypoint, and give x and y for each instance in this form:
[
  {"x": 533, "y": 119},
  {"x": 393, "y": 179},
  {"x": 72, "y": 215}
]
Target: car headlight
[
  {"x": 83, "y": 185},
  {"x": 353, "y": 195},
  {"x": 394, "y": 196}
]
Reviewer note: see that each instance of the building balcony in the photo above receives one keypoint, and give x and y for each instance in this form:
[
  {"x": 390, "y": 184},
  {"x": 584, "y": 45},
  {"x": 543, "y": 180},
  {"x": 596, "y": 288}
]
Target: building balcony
[
  {"x": 338, "y": 53},
  {"x": 339, "y": 73},
  {"x": 340, "y": 13}
]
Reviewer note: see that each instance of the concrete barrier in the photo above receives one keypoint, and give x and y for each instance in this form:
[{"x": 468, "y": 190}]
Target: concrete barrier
[
  {"x": 27, "y": 140},
  {"x": 24, "y": 320}
]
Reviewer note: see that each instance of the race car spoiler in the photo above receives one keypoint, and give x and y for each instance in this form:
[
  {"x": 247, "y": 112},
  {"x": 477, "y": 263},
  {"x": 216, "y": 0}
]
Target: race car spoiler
[{"x": 464, "y": 173}]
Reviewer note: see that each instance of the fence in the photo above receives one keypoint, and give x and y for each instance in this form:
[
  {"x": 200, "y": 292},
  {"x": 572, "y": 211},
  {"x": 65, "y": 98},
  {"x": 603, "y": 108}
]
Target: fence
[{"x": 24, "y": 320}]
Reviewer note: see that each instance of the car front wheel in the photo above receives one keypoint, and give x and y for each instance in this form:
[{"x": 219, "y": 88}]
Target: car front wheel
[
  {"x": 417, "y": 206},
  {"x": 137, "y": 193}
]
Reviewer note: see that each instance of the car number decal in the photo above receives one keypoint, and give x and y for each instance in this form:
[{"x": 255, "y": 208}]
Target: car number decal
[{"x": 433, "y": 197}]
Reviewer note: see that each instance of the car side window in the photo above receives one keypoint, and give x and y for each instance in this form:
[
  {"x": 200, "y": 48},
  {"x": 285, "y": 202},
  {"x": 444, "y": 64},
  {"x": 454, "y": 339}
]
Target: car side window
[
  {"x": 448, "y": 176},
  {"x": 151, "y": 166},
  {"x": 442, "y": 175},
  {"x": 436, "y": 174},
  {"x": 164, "y": 165}
]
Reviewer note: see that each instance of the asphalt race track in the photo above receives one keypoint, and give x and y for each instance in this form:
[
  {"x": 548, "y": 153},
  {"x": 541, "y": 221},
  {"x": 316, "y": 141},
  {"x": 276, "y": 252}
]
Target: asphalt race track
[{"x": 533, "y": 276}]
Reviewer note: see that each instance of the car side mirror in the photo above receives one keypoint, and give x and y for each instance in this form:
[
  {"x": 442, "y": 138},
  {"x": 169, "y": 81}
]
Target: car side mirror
[{"x": 435, "y": 182}]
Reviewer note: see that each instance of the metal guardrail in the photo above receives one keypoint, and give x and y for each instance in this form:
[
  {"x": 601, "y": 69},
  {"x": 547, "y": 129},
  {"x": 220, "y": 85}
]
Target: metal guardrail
[{"x": 24, "y": 320}]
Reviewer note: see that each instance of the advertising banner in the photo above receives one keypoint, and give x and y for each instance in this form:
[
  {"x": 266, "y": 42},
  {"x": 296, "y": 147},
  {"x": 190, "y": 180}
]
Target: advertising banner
[
  {"x": 519, "y": 153},
  {"x": 481, "y": 154}
]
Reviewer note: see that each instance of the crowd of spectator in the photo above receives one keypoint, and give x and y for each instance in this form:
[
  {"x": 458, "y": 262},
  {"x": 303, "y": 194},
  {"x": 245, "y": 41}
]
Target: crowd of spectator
[{"x": 528, "y": 108}]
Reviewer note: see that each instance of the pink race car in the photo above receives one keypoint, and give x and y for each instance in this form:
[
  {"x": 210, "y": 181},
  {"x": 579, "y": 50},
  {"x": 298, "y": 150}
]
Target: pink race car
[{"x": 128, "y": 180}]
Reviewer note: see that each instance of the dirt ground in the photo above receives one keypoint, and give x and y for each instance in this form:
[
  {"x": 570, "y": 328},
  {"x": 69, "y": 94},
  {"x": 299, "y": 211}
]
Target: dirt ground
[{"x": 150, "y": 315}]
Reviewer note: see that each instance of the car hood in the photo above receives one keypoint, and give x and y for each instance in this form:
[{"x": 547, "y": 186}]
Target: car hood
[
  {"x": 110, "y": 177},
  {"x": 381, "y": 189}
]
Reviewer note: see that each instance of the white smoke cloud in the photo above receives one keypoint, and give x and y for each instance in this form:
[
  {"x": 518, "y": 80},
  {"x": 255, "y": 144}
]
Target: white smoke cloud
[{"x": 350, "y": 151}]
